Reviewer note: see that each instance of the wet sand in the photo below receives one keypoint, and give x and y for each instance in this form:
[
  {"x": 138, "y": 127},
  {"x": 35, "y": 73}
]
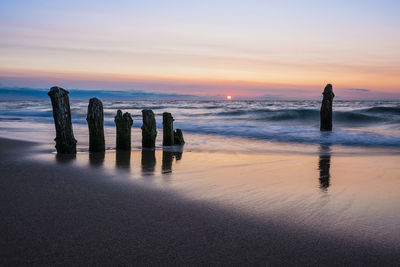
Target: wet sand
[{"x": 197, "y": 208}]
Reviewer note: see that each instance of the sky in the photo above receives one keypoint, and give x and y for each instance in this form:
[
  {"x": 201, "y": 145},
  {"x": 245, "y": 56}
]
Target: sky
[{"x": 247, "y": 49}]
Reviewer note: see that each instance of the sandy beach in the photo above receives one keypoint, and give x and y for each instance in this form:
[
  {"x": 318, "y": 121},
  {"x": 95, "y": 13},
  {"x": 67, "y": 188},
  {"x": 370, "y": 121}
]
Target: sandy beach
[{"x": 197, "y": 208}]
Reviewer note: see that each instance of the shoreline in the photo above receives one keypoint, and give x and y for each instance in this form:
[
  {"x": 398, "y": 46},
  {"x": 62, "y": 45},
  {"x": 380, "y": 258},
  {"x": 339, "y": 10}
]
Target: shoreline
[{"x": 66, "y": 214}]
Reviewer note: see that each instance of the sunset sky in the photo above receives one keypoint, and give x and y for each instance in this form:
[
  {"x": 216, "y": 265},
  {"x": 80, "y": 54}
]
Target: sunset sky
[{"x": 209, "y": 48}]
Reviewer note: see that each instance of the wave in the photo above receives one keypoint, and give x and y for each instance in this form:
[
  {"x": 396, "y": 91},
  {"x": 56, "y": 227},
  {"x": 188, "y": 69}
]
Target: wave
[
  {"x": 384, "y": 110},
  {"x": 301, "y": 115},
  {"x": 297, "y": 134}
]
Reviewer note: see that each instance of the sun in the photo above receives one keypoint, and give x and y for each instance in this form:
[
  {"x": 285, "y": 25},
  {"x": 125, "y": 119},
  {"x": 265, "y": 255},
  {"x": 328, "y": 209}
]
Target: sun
[{"x": 228, "y": 97}]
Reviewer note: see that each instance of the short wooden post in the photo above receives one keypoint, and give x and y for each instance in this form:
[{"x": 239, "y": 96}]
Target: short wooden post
[
  {"x": 124, "y": 125},
  {"x": 326, "y": 109},
  {"x": 168, "y": 129},
  {"x": 178, "y": 137},
  {"x": 149, "y": 130},
  {"x": 95, "y": 118},
  {"x": 65, "y": 140}
]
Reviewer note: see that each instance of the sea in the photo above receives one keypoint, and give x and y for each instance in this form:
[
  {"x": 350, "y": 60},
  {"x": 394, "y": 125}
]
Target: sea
[{"x": 355, "y": 123}]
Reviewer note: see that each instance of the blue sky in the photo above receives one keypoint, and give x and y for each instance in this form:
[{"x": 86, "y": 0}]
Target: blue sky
[{"x": 211, "y": 45}]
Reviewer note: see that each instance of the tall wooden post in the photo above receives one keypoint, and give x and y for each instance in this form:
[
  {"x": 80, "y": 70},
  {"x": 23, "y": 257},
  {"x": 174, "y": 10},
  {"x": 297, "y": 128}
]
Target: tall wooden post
[
  {"x": 149, "y": 130},
  {"x": 65, "y": 140},
  {"x": 168, "y": 129},
  {"x": 326, "y": 109},
  {"x": 95, "y": 119},
  {"x": 124, "y": 125}
]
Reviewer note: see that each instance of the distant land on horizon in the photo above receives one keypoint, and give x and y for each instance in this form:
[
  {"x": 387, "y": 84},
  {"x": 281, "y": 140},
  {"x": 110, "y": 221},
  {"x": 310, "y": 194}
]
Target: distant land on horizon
[
  {"x": 38, "y": 93},
  {"x": 22, "y": 92}
]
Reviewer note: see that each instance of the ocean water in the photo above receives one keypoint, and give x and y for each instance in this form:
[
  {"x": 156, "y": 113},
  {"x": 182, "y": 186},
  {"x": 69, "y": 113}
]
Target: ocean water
[{"x": 356, "y": 123}]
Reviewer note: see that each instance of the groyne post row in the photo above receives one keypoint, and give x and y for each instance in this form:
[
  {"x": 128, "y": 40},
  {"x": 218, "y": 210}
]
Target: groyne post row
[{"x": 66, "y": 142}]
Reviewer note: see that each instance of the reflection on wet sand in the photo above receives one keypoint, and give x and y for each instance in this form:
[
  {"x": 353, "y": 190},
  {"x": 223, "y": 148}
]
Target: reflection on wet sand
[
  {"x": 96, "y": 159},
  {"x": 148, "y": 161},
  {"x": 65, "y": 158},
  {"x": 167, "y": 159},
  {"x": 324, "y": 165},
  {"x": 123, "y": 159}
]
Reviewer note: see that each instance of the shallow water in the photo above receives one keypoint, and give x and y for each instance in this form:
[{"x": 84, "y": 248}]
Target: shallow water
[{"x": 354, "y": 196}]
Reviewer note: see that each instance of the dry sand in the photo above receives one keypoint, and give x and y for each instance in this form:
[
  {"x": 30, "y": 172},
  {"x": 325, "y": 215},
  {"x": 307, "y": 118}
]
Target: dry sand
[{"x": 61, "y": 213}]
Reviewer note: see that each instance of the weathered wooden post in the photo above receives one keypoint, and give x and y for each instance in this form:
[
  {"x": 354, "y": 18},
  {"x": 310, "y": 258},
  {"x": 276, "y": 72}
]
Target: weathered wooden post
[
  {"x": 178, "y": 137},
  {"x": 326, "y": 109},
  {"x": 149, "y": 130},
  {"x": 65, "y": 140},
  {"x": 95, "y": 118},
  {"x": 124, "y": 125},
  {"x": 168, "y": 129}
]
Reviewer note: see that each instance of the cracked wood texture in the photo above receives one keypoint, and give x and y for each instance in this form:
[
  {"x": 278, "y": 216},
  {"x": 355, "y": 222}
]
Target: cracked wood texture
[{"x": 65, "y": 140}]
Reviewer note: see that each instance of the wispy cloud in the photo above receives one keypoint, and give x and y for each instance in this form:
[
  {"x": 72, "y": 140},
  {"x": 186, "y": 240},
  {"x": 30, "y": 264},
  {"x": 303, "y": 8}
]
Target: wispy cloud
[{"x": 359, "y": 90}]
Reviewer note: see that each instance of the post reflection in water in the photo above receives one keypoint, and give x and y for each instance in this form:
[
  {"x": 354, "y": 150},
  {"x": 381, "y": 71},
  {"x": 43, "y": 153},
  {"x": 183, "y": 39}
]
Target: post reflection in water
[
  {"x": 123, "y": 159},
  {"x": 96, "y": 159},
  {"x": 148, "y": 161},
  {"x": 167, "y": 159},
  {"x": 324, "y": 166},
  {"x": 65, "y": 158}
]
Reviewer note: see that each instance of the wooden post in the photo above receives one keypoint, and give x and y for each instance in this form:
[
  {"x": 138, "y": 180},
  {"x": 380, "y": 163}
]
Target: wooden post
[
  {"x": 168, "y": 129},
  {"x": 65, "y": 140},
  {"x": 326, "y": 109},
  {"x": 149, "y": 130},
  {"x": 178, "y": 137},
  {"x": 95, "y": 118},
  {"x": 124, "y": 125}
]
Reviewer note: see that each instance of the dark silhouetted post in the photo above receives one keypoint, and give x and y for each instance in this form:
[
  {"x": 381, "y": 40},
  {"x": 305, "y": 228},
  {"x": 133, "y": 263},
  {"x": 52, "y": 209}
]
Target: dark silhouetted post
[
  {"x": 178, "y": 137},
  {"x": 168, "y": 129},
  {"x": 124, "y": 125},
  {"x": 149, "y": 131},
  {"x": 326, "y": 109},
  {"x": 65, "y": 140},
  {"x": 95, "y": 118}
]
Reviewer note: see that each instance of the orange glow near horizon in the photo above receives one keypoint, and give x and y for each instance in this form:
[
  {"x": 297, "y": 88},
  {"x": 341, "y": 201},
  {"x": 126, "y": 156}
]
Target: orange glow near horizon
[
  {"x": 204, "y": 87},
  {"x": 228, "y": 97}
]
